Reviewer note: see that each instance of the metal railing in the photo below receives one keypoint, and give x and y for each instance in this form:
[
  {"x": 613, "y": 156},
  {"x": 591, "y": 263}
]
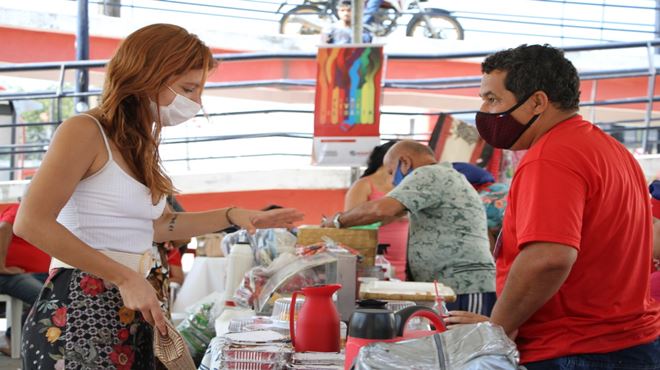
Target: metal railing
[{"x": 431, "y": 84}]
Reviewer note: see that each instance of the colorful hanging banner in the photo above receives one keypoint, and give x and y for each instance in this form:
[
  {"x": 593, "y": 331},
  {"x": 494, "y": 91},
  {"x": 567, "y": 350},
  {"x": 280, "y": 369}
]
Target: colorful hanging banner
[{"x": 347, "y": 104}]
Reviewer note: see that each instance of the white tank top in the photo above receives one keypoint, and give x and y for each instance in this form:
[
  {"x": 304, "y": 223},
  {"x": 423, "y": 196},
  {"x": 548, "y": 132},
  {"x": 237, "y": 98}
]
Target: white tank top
[{"x": 110, "y": 210}]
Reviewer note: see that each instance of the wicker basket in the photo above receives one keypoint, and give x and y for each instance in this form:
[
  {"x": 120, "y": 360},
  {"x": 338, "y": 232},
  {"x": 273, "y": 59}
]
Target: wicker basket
[
  {"x": 171, "y": 350},
  {"x": 364, "y": 241}
]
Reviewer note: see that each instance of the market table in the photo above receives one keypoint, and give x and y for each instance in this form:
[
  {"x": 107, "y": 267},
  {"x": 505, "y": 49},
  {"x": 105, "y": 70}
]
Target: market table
[
  {"x": 207, "y": 275},
  {"x": 213, "y": 357}
]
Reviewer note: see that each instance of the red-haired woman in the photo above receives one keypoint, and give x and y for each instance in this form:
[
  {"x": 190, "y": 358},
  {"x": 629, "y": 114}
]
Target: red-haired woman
[{"x": 98, "y": 201}]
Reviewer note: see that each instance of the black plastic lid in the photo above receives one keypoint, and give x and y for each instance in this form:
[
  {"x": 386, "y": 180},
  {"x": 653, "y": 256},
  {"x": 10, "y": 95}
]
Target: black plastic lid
[{"x": 371, "y": 303}]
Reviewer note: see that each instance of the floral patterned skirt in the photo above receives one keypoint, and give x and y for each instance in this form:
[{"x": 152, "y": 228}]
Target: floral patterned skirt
[{"x": 80, "y": 322}]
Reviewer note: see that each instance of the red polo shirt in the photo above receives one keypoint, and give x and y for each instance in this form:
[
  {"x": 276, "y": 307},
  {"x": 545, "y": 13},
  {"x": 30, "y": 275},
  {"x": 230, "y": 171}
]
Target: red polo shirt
[
  {"x": 21, "y": 253},
  {"x": 579, "y": 187}
]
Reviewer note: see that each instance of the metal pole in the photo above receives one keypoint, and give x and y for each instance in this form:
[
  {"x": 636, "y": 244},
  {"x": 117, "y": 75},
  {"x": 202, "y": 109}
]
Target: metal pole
[
  {"x": 657, "y": 23},
  {"x": 594, "y": 91},
  {"x": 82, "y": 53},
  {"x": 649, "y": 103},
  {"x": 356, "y": 20},
  {"x": 12, "y": 156},
  {"x": 357, "y": 9},
  {"x": 355, "y": 174}
]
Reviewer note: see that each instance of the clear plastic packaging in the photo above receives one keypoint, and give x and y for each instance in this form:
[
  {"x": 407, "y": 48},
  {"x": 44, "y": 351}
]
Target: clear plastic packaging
[
  {"x": 287, "y": 273},
  {"x": 243, "y": 324},
  {"x": 255, "y": 338},
  {"x": 468, "y": 347},
  {"x": 441, "y": 307},
  {"x": 230, "y": 313},
  {"x": 395, "y": 306},
  {"x": 281, "y": 308}
]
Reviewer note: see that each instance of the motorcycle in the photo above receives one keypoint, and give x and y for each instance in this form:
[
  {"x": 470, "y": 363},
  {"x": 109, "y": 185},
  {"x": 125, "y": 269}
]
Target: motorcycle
[{"x": 313, "y": 15}]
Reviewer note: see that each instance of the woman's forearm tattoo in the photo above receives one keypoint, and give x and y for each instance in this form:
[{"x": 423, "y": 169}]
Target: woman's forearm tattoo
[{"x": 170, "y": 227}]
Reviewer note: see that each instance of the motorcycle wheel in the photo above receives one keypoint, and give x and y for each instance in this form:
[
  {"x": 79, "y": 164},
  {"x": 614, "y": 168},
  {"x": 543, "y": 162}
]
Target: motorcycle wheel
[
  {"x": 444, "y": 26},
  {"x": 292, "y": 23},
  {"x": 385, "y": 21}
]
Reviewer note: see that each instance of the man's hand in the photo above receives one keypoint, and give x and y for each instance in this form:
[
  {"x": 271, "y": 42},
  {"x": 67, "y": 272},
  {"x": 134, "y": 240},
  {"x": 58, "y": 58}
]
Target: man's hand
[
  {"x": 457, "y": 318},
  {"x": 12, "y": 270}
]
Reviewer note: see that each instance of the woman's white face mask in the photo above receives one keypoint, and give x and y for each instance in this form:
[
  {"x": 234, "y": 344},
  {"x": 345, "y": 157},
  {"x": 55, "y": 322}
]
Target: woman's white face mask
[{"x": 180, "y": 110}]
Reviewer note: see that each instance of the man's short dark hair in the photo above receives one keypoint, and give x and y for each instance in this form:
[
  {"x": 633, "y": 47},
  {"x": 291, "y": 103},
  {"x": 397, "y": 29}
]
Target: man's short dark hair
[
  {"x": 532, "y": 68},
  {"x": 344, "y": 3}
]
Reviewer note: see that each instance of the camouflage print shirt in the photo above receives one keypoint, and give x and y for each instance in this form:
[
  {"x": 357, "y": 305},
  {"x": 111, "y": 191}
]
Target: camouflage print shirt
[{"x": 447, "y": 238}]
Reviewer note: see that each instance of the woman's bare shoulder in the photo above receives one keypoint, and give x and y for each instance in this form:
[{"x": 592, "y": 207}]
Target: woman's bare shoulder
[
  {"x": 363, "y": 182},
  {"x": 78, "y": 138},
  {"x": 81, "y": 127}
]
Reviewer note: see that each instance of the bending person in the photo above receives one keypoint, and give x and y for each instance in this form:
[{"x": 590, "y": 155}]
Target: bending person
[
  {"x": 98, "y": 201},
  {"x": 448, "y": 240}
]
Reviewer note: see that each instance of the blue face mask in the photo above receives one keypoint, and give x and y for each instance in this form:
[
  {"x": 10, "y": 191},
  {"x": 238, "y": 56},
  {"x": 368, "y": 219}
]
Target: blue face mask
[{"x": 398, "y": 175}]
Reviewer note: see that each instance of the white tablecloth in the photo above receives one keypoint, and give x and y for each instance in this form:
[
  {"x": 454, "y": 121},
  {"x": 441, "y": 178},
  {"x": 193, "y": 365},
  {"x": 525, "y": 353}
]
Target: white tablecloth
[{"x": 207, "y": 275}]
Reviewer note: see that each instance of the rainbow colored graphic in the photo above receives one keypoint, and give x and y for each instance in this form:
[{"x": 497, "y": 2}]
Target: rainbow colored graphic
[{"x": 348, "y": 88}]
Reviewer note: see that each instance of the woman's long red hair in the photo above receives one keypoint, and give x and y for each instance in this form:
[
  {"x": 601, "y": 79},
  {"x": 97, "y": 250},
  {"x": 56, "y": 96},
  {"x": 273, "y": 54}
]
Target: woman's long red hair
[{"x": 145, "y": 63}]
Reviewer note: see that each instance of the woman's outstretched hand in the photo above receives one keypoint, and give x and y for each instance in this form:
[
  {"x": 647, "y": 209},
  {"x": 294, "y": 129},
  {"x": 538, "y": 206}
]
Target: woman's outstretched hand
[{"x": 252, "y": 220}]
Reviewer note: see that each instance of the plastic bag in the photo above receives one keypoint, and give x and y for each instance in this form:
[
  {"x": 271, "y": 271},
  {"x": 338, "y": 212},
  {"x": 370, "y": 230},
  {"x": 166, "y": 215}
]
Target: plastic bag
[
  {"x": 197, "y": 329},
  {"x": 467, "y": 347},
  {"x": 267, "y": 244}
]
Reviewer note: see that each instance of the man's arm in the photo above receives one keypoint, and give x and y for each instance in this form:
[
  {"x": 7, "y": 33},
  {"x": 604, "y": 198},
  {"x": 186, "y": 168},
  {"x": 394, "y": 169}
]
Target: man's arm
[
  {"x": 370, "y": 212},
  {"x": 536, "y": 275},
  {"x": 6, "y": 234}
]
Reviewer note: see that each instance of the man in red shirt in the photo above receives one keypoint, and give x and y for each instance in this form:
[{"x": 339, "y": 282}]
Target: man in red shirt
[
  {"x": 573, "y": 258},
  {"x": 23, "y": 267}
]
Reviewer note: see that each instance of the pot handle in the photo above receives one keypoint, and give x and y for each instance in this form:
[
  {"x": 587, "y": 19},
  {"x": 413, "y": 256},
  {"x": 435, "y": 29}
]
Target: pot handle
[
  {"x": 292, "y": 316},
  {"x": 408, "y": 313}
]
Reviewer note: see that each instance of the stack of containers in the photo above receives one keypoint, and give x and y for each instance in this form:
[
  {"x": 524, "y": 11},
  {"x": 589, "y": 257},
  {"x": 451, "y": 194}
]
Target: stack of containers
[{"x": 255, "y": 350}]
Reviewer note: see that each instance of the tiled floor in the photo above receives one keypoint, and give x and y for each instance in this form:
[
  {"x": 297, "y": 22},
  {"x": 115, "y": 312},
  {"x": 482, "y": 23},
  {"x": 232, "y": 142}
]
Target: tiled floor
[{"x": 7, "y": 363}]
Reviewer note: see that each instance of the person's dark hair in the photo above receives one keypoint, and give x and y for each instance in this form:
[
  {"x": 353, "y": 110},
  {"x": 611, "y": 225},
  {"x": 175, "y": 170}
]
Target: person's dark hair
[
  {"x": 532, "y": 68},
  {"x": 376, "y": 157},
  {"x": 344, "y": 3}
]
